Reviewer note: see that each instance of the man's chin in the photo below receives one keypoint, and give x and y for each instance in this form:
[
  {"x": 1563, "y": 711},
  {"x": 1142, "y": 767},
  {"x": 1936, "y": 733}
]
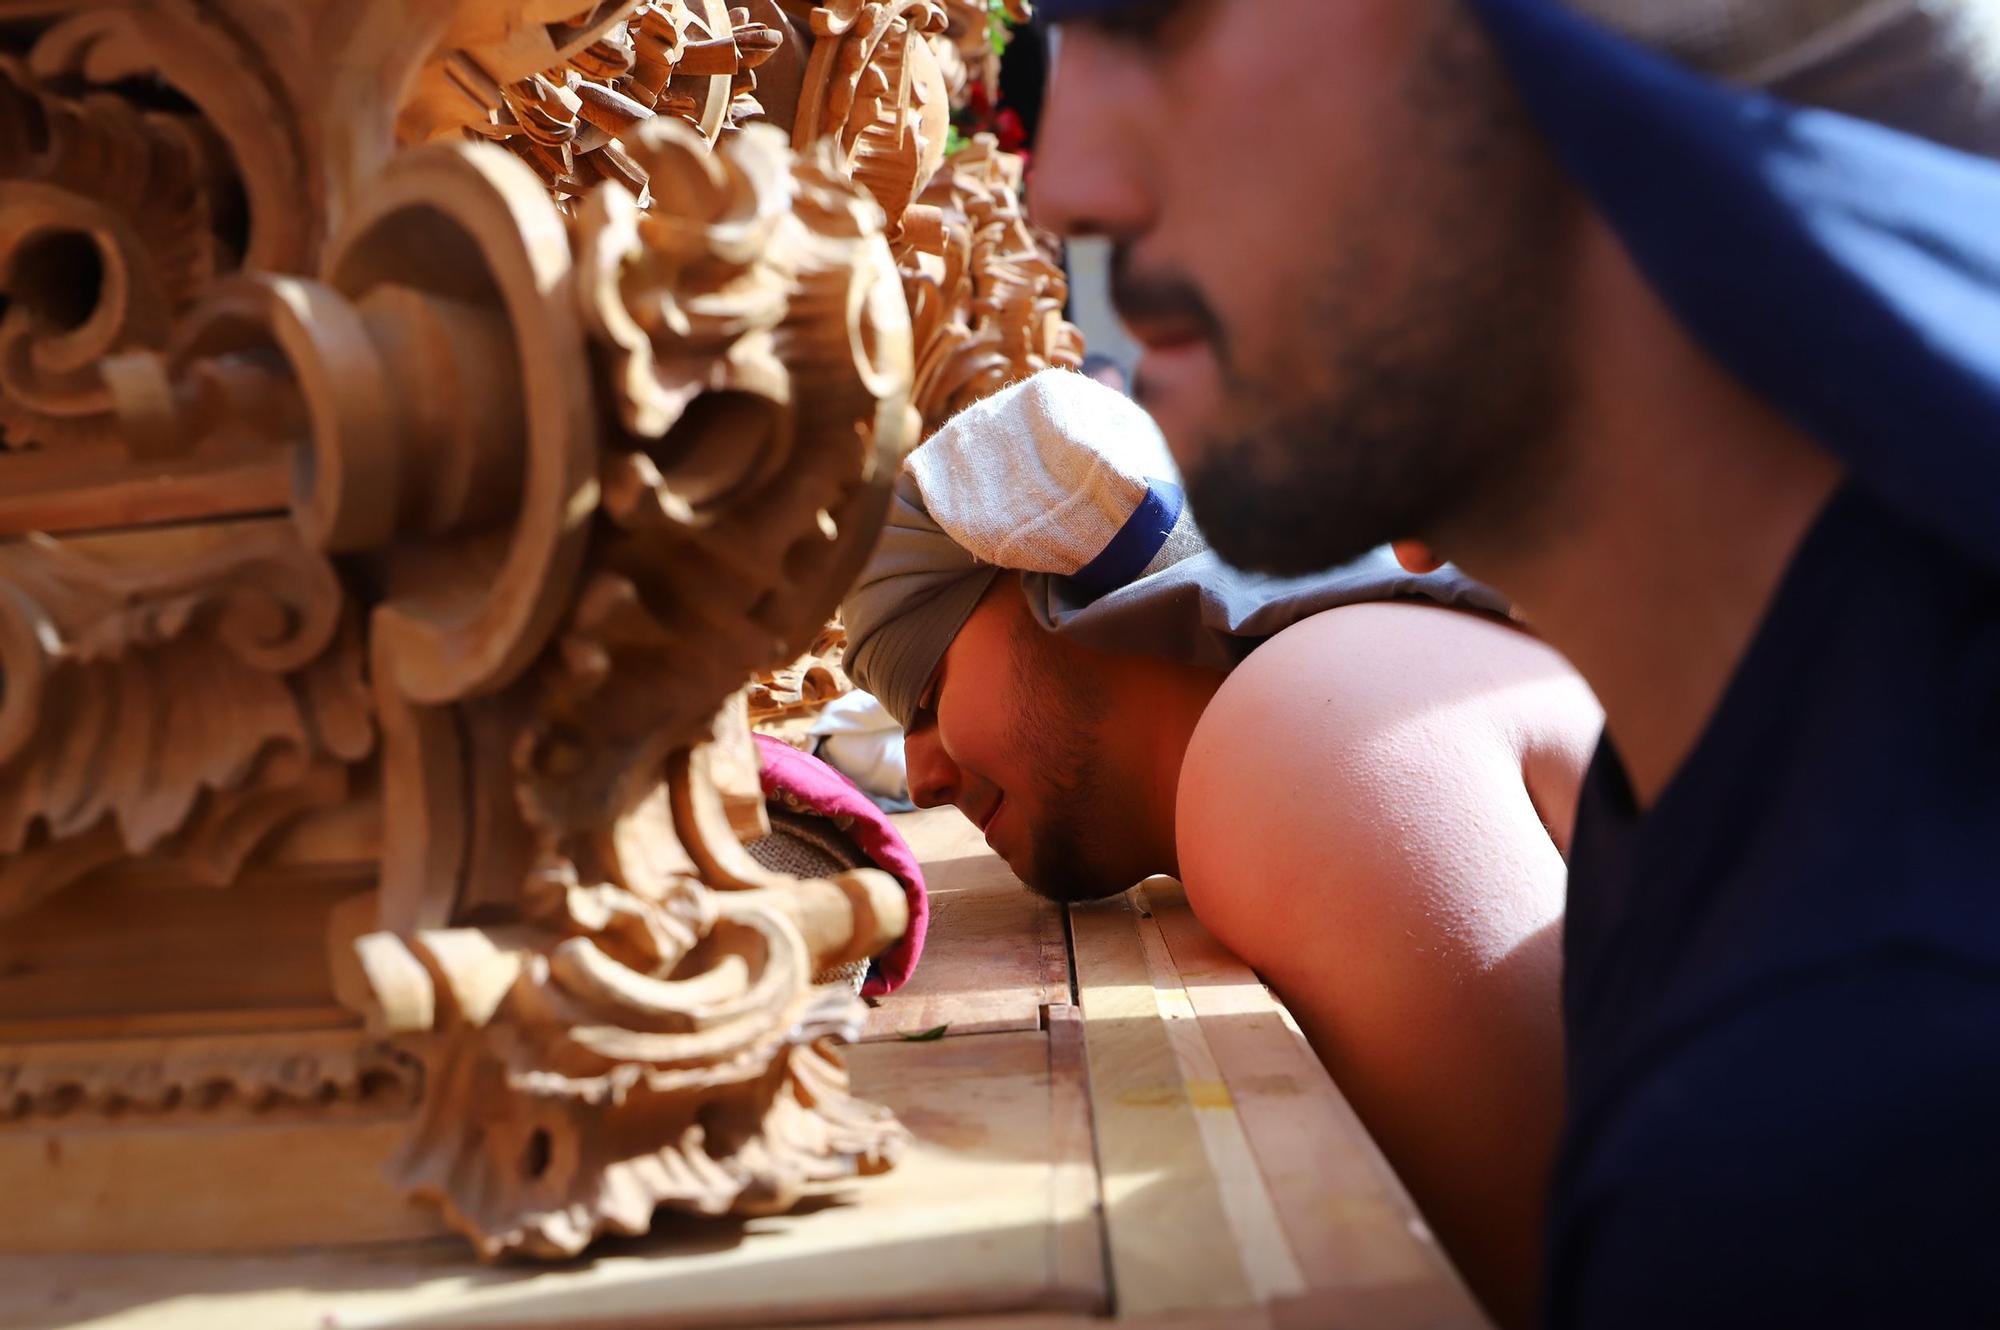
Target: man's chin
[
  {"x": 1073, "y": 893},
  {"x": 1067, "y": 884}
]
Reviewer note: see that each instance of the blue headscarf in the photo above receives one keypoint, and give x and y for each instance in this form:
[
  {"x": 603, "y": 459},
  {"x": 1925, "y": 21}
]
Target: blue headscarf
[{"x": 1845, "y": 272}]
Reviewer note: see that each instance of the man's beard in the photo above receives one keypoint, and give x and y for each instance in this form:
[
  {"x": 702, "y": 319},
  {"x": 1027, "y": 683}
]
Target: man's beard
[
  {"x": 1426, "y": 408},
  {"x": 1059, "y": 716},
  {"x": 1443, "y": 430}
]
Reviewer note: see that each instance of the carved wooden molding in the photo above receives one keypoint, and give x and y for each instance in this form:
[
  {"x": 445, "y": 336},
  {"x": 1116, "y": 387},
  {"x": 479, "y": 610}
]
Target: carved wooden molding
[{"x": 203, "y": 1076}]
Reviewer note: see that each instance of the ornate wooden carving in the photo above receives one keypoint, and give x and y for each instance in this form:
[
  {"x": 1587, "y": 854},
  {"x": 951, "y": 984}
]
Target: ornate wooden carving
[
  {"x": 779, "y": 698},
  {"x": 986, "y": 291},
  {"x": 417, "y": 426}
]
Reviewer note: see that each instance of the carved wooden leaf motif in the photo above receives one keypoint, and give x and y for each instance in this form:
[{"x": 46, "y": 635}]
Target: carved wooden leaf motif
[
  {"x": 965, "y": 47},
  {"x": 144, "y": 672},
  {"x": 758, "y": 350},
  {"x": 874, "y": 89}
]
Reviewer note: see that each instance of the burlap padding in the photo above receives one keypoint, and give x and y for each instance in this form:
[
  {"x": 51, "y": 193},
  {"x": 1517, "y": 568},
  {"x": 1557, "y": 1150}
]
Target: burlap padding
[{"x": 808, "y": 846}]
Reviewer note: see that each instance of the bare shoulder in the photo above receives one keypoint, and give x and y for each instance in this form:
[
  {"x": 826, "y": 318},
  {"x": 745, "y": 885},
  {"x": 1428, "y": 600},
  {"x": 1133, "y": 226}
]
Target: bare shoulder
[
  {"x": 1382, "y": 728},
  {"x": 1405, "y": 658},
  {"x": 1356, "y": 820},
  {"x": 1395, "y": 675}
]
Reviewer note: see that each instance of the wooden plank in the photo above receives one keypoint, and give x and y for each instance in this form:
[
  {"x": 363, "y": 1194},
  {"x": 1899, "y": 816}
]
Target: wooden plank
[
  {"x": 1165, "y": 1218},
  {"x": 1353, "y": 1228},
  {"x": 1076, "y": 1250},
  {"x": 962, "y": 1227},
  {"x": 994, "y": 955},
  {"x": 1260, "y": 1236},
  {"x": 1242, "y": 1318},
  {"x": 939, "y": 834}
]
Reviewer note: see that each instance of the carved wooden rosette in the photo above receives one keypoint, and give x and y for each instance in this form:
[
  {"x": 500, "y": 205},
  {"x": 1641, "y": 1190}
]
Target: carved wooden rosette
[{"x": 422, "y": 457}]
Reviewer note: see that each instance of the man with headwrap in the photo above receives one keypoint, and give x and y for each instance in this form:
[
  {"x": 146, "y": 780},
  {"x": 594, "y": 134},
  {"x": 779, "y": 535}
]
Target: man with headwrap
[
  {"x": 1356, "y": 786},
  {"x": 1678, "y": 321}
]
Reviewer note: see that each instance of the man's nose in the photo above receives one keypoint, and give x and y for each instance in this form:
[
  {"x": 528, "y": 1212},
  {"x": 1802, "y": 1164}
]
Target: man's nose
[
  {"x": 933, "y": 776},
  {"x": 1087, "y": 178}
]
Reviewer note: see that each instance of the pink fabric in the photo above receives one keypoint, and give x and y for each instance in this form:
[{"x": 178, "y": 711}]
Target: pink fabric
[{"x": 802, "y": 781}]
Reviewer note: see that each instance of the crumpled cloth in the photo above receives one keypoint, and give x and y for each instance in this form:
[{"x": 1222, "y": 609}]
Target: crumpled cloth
[{"x": 856, "y": 736}]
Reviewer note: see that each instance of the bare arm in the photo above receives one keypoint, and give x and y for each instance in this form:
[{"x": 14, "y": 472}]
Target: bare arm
[{"x": 1354, "y": 819}]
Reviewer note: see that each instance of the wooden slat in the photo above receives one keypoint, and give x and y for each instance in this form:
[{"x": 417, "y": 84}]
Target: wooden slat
[
  {"x": 1259, "y": 1235},
  {"x": 1359, "y": 1240},
  {"x": 63, "y": 489},
  {"x": 994, "y": 955},
  {"x": 171, "y": 1024},
  {"x": 1167, "y": 1225},
  {"x": 939, "y": 834},
  {"x": 1076, "y": 1250}
]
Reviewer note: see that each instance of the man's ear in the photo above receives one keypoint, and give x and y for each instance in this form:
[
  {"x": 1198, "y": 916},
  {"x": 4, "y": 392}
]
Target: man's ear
[{"x": 1415, "y": 556}]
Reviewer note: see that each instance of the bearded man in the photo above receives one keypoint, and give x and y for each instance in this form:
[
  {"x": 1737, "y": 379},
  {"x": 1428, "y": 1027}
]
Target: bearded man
[{"x": 1679, "y": 323}]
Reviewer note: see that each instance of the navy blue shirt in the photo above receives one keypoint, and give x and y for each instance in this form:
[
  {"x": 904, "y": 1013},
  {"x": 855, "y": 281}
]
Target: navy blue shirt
[{"x": 1782, "y": 983}]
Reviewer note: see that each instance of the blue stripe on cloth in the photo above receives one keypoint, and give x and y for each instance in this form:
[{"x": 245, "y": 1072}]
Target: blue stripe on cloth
[{"x": 1126, "y": 554}]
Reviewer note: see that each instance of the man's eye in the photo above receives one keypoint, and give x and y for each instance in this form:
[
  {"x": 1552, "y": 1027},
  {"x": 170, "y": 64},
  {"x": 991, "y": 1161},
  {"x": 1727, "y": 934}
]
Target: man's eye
[
  {"x": 1143, "y": 22},
  {"x": 925, "y": 713}
]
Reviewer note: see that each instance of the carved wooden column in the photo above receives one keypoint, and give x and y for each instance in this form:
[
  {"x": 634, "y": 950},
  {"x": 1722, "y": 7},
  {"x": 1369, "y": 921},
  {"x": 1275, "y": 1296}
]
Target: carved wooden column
[{"x": 418, "y": 422}]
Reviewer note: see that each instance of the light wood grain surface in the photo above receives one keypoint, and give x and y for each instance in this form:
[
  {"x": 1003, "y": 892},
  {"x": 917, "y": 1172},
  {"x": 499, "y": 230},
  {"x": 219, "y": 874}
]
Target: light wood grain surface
[
  {"x": 978, "y": 1219},
  {"x": 1165, "y": 1152}
]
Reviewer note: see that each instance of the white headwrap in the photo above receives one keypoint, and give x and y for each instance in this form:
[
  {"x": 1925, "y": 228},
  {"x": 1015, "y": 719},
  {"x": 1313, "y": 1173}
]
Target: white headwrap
[{"x": 1068, "y": 483}]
